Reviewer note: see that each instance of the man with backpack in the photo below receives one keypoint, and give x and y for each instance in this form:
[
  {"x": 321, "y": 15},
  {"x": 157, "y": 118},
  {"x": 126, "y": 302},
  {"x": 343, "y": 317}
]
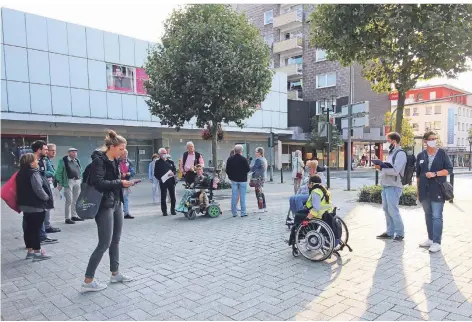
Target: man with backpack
[
  {"x": 69, "y": 175},
  {"x": 392, "y": 186}
]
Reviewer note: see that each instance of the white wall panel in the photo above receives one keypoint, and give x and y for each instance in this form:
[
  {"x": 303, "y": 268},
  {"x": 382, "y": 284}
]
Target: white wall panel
[
  {"x": 78, "y": 72},
  {"x": 37, "y": 32},
  {"x": 57, "y": 36},
  {"x": 114, "y": 106},
  {"x": 38, "y": 62},
  {"x": 97, "y": 75},
  {"x": 112, "y": 47},
  {"x": 18, "y": 97},
  {"x": 80, "y": 102},
  {"x": 4, "y": 74},
  {"x": 126, "y": 50},
  {"x": 140, "y": 52},
  {"x": 142, "y": 109},
  {"x": 41, "y": 99},
  {"x": 98, "y": 104},
  {"x": 129, "y": 107},
  {"x": 4, "y": 103},
  {"x": 59, "y": 66},
  {"x": 16, "y": 63},
  {"x": 14, "y": 31},
  {"x": 77, "y": 41},
  {"x": 61, "y": 103},
  {"x": 95, "y": 47}
]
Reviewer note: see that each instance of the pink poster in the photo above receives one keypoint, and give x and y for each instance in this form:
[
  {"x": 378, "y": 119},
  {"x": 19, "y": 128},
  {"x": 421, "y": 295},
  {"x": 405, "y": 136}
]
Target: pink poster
[{"x": 141, "y": 77}]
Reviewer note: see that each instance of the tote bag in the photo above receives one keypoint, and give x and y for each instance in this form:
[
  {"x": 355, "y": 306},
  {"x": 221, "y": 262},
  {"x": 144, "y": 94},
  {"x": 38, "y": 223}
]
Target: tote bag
[
  {"x": 89, "y": 201},
  {"x": 9, "y": 193}
]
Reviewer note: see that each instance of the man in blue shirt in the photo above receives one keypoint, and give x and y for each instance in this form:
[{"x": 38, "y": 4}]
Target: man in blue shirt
[{"x": 432, "y": 168}]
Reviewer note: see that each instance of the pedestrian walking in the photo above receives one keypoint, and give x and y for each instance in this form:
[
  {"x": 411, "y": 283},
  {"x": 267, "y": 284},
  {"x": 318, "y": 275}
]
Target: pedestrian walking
[
  {"x": 34, "y": 198},
  {"x": 189, "y": 160},
  {"x": 127, "y": 172},
  {"x": 432, "y": 168},
  {"x": 153, "y": 180},
  {"x": 164, "y": 172},
  {"x": 237, "y": 168},
  {"x": 51, "y": 176},
  {"x": 237, "y": 200},
  {"x": 259, "y": 175},
  {"x": 297, "y": 170},
  {"x": 392, "y": 187},
  {"x": 69, "y": 175},
  {"x": 105, "y": 177}
]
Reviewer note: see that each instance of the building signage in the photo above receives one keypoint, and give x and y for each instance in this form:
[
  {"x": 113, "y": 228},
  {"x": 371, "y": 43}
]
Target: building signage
[
  {"x": 141, "y": 77},
  {"x": 450, "y": 125},
  {"x": 393, "y": 96}
]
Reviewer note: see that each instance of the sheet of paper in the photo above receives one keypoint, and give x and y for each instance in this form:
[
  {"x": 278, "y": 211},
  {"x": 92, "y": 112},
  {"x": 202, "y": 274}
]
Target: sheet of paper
[{"x": 166, "y": 176}]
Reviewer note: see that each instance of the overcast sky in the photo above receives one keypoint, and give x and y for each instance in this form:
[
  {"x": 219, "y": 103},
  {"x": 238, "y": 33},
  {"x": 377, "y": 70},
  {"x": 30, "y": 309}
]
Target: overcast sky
[{"x": 138, "y": 18}]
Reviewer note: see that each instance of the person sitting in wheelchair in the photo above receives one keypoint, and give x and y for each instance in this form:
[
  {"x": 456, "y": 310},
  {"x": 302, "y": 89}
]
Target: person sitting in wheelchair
[
  {"x": 317, "y": 204},
  {"x": 202, "y": 182}
]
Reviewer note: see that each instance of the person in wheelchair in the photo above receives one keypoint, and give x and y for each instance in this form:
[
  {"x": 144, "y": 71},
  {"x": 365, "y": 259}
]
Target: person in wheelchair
[
  {"x": 317, "y": 204},
  {"x": 202, "y": 182}
]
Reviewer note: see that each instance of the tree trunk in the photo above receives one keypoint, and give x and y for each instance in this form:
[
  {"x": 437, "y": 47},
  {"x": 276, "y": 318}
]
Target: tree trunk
[
  {"x": 214, "y": 145},
  {"x": 399, "y": 113}
]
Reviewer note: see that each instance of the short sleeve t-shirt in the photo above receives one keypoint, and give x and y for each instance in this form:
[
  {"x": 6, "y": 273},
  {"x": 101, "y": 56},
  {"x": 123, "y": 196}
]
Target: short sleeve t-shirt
[{"x": 431, "y": 159}]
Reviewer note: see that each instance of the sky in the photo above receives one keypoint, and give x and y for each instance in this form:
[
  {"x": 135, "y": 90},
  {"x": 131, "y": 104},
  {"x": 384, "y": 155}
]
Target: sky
[{"x": 139, "y": 19}]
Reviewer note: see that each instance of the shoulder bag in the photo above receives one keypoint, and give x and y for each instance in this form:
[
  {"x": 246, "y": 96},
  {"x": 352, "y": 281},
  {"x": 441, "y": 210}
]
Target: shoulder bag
[{"x": 89, "y": 200}]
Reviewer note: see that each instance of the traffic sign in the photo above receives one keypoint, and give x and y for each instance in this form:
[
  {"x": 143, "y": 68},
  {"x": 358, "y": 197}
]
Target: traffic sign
[{"x": 357, "y": 108}]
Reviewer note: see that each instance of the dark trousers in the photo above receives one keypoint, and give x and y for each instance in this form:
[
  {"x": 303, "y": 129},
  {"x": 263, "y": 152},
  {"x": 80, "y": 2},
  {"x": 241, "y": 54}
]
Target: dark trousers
[
  {"x": 32, "y": 229},
  {"x": 260, "y": 197},
  {"x": 168, "y": 185},
  {"x": 298, "y": 218}
]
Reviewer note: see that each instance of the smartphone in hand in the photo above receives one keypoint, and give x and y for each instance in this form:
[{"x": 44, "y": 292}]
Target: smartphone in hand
[{"x": 136, "y": 181}]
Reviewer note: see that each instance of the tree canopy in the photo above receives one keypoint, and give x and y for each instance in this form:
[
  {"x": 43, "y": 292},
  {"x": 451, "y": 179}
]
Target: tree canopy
[
  {"x": 318, "y": 138},
  {"x": 407, "y": 133},
  {"x": 397, "y": 44},
  {"x": 212, "y": 65}
]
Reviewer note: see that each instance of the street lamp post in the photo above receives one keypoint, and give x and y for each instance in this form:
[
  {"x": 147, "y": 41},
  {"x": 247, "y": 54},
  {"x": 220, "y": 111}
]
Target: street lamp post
[{"x": 327, "y": 109}]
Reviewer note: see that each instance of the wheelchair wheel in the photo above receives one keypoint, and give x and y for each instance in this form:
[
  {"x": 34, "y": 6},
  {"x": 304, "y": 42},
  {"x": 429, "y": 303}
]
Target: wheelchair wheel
[
  {"x": 345, "y": 234},
  {"x": 192, "y": 214},
  {"x": 213, "y": 211},
  {"x": 315, "y": 240}
]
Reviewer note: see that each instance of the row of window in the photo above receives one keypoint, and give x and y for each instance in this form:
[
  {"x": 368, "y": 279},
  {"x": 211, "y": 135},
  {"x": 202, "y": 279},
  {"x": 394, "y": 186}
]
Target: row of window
[
  {"x": 432, "y": 96},
  {"x": 462, "y": 141},
  {"x": 467, "y": 112},
  {"x": 428, "y": 110},
  {"x": 463, "y": 126}
]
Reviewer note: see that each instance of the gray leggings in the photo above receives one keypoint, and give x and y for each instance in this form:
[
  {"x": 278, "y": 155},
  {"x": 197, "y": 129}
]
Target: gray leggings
[{"x": 109, "y": 223}]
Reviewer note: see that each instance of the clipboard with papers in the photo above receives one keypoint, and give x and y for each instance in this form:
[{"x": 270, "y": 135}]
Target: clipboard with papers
[
  {"x": 383, "y": 165},
  {"x": 166, "y": 176}
]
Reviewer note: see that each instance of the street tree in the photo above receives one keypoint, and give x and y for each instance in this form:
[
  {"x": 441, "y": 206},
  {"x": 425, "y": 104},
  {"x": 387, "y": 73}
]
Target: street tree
[
  {"x": 318, "y": 139},
  {"x": 396, "y": 44},
  {"x": 407, "y": 133},
  {"x": 212, "y": 66}
]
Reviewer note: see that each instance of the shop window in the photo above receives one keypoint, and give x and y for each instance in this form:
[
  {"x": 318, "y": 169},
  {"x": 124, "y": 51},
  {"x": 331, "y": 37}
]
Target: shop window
[{"x": 120, "y": 78}]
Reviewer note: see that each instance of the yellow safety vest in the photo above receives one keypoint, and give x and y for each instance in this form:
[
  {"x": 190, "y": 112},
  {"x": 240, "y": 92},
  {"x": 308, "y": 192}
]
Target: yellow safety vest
[{"x": 324, "y": 205}]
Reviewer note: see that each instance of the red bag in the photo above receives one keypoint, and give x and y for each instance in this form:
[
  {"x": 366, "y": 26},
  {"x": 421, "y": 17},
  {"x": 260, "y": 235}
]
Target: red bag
[
  {"x": 9, "y": 193},
  {"x": 299, "y": 175}
]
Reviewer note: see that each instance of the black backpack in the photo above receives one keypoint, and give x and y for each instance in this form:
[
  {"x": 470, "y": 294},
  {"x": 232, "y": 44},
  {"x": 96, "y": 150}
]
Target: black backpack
[{"x": 407, "y": 176}]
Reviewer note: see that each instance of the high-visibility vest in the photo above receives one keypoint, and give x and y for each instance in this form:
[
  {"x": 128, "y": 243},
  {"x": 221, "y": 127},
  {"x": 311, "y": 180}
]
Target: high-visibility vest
[{"x": 324, "y": 205}]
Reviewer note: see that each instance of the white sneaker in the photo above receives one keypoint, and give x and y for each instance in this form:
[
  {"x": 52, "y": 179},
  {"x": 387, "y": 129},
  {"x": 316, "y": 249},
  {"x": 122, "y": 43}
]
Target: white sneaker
[
  {"x": 427, "y": 243},
  {"x": 120, "y": 278},
  {"x": 435, "y": 248},
  {"x": 93, "y": 286}
]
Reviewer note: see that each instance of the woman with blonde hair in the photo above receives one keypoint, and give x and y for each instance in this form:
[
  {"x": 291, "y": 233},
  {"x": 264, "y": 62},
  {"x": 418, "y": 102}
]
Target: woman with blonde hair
[{"x": 297, "y": 170}]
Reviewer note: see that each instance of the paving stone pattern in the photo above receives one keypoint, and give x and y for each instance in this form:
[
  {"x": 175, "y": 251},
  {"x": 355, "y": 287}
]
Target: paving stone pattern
[{"x": 240, "y": 269}]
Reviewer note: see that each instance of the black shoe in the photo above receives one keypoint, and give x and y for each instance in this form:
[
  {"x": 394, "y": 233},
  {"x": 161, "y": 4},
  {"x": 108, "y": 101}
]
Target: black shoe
[
  {"x": 70, "y": 222},
  {"x": 173, "y": 213},
  {"x": 51, "y": 230},
  {"x": 48, "y": 241},
  {"x": 384, "y": 236},
  {"x": 128, "y": 216},
  {"x": 164, "y": 214},
  {"x": 77, "y": 219},
  {"x": 398, "y": 238}
]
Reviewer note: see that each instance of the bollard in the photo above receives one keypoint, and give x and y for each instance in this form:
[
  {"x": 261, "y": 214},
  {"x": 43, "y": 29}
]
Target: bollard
[
  {"x": 281, "y": 175},
  {"x": 376, "y": 178},
  {"x": 451, "y": 180}
]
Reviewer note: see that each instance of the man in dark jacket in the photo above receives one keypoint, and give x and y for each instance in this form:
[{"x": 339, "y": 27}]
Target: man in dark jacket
[
  {"x": 237, "y": 169},
  {"x": 165, "y": 167}
]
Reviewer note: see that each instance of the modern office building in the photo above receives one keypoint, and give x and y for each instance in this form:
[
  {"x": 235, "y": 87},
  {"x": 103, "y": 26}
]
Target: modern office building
[
  {"x": 66, "y": 83},
  {"x": 311, "y": 77}
]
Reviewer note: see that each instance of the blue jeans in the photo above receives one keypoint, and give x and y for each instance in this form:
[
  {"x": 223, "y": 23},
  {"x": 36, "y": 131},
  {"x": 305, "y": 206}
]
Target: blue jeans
[
  {"x": 297, "y": 202},
  {"x": 126, "y": 204},
  {"x": 238, "y": 188},
  {"x": 433, "y": 212},
  {"x": 390, "y": 201}
]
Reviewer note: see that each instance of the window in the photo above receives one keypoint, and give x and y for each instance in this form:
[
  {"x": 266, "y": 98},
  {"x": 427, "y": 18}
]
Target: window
[
  {"x": 411, "y": 97},
  {"x": 268, "y": 17},
  {"x": 420, "y": 97},
  {"x": 459, "y": 111},
  {"x": 428, "y": 126},
  {"x": 269, "y": 40},
  {"x": 320, "y": 55},
  {"x": 415, "y": 126},
  {"x": 437, "y": 109},
  {"x": 463, "y": 126},
  {"x": 415, "y": 111},
  {"x": 458, "y": 126},
  {"x": 437, "y": 125},
  {"x": 287, "y": 36},
  {"x": 325, "y": 80},
  {"x": 295, "y": 60},
  {"x": 120, "y": 78},
  {"x": 320, "y": 105},
  {"x": 429, "y": 110},
  {"x": 407, "y": 112},
  {"x": 432, "y": 95}
]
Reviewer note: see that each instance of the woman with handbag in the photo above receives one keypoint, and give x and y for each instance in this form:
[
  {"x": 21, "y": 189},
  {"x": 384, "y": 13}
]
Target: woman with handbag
[
  {"x": 297, "y": 170},
  {"x": 105, "y": 177},
  {"x": 432, "y": 168},
  {"x": 34, "y": 198},
  {"x": 259, "y": 174}
]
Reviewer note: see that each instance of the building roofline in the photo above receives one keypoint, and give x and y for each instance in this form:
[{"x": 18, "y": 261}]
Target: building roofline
[{"x": 441, "y": 85}]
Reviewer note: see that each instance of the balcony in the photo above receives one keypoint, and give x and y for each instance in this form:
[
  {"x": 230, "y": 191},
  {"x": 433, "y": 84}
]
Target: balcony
[
  {"x": 290, "y": 45},
  {"x": 296, "y": 95},
  {"x": 290, "y": 20},
  {"x": 291, "y": 70}
]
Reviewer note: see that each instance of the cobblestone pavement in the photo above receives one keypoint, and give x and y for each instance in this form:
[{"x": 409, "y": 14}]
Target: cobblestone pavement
[{"x": 240, "y": 269}]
